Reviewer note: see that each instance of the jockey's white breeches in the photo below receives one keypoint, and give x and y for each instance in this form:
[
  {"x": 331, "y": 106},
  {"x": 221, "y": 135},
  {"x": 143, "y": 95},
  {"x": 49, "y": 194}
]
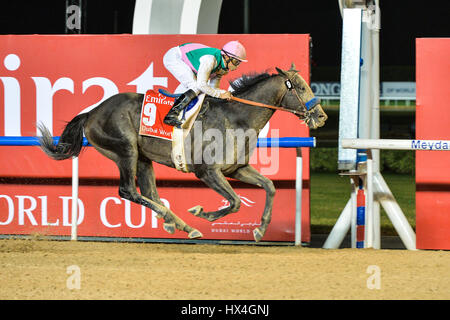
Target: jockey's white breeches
[{"x": 180, "y": 70}]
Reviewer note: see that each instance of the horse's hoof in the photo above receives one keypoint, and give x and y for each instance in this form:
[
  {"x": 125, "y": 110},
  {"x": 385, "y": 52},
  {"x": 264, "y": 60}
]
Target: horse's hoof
[
  {"x": 195, "y": 234},
  {"x": 196, "y": 210},
  {"x": 257, "y": 234},
  {"x": 169, "y": 227}
]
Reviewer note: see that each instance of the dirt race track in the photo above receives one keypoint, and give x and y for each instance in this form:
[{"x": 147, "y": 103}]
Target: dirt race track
[{"x": 40, "y": 269}]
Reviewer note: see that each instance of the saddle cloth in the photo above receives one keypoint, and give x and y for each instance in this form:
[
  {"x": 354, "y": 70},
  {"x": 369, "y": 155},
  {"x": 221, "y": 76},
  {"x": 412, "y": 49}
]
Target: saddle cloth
[{"x": 154, "y": 108}]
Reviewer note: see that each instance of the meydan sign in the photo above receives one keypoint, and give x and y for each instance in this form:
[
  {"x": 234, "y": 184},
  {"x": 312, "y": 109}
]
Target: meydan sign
[{"x": 388, "y": 90}]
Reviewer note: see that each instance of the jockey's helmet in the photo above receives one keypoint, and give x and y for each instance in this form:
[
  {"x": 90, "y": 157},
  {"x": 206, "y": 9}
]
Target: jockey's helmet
[{"x": 235, "y": 50}]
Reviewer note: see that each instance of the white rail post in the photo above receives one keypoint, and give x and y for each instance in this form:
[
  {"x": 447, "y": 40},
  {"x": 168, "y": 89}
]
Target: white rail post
[
  {"x": 74, "y": 198},
  {"x": 369, "y": 202},
  {"x": 350, "y": 85},
  {"x": 298, "y": 198},
  {"x": 354, "y": 211},
  {"x": 340, "y": 228},
  {"x": 394, "y": 212}
]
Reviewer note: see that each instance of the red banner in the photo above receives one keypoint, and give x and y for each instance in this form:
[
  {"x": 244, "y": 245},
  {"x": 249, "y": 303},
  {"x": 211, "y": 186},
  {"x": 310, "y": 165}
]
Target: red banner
[
  {"x": 432, "y": 167},
  {"x": 50, "y": 79},
  {"x": 46, "y": 210}
]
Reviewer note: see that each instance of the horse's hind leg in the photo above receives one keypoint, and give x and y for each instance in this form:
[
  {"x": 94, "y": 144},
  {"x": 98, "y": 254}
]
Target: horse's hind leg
[
  {"x": 147, "y": 185},
  {"x": 146, "y": 180},
  {"x": 127, "y": 190},
  {"x": 250, "y": 175},
  {"x": 126, "y": 159}
]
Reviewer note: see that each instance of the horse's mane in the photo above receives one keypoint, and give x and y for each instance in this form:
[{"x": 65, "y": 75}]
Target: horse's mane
[{"x": 243, "y": 83}]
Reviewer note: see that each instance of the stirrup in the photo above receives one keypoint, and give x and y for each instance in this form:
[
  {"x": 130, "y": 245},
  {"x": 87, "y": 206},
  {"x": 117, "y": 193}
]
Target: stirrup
[
  {"x": 172, "y": 121},
  {"x": 179, "y": 105}
]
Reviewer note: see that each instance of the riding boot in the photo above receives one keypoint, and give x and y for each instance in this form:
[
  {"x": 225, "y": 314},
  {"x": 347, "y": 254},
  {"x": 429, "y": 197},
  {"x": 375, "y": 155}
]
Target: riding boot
[{"x": 180, "y": 103}]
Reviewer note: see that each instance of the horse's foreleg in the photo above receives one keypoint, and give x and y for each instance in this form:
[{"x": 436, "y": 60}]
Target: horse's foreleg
[
  {"x": 250, "y": 175},
  {"x": 216, "y": 180}
]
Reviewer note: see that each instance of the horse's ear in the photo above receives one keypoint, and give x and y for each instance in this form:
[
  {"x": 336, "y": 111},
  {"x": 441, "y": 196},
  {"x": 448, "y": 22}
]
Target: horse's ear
[
  {"x": 293, "y": 68},
  {"x": 282, "y": 72}
]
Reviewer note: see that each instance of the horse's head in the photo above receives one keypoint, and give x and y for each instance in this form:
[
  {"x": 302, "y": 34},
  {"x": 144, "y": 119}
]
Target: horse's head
[{"x": 299, "y": 97}]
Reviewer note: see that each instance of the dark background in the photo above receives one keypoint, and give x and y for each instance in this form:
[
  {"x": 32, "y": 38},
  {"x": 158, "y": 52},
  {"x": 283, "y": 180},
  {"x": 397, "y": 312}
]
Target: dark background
[{"x": 401, "y": 22}]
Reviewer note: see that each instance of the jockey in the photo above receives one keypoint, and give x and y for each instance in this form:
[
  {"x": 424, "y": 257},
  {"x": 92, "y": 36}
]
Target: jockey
[{"x": 199, "y": 69}]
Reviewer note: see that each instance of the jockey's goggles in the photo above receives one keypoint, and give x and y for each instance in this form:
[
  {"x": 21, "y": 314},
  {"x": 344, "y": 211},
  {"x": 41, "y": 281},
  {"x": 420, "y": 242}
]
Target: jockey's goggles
[{"x": 234, "y": 61}]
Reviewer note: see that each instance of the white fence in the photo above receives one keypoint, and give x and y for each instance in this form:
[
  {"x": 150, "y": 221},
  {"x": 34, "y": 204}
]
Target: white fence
[
  {"x": 394, "y": 144},
  {"x": 377, "y": 189}
]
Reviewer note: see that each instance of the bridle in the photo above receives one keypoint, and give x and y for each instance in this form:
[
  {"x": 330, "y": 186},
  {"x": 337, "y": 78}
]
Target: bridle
[{"x": 306, "y": 106}]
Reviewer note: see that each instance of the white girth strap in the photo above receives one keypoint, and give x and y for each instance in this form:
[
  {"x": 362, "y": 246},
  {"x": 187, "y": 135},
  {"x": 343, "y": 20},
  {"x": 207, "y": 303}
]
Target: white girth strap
[{"x": 179, "y": 134}]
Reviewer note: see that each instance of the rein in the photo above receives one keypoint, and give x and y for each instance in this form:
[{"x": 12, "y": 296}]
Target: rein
[
  {"x": 263, "y": 105},
  {"x": 306, "y": 106}
]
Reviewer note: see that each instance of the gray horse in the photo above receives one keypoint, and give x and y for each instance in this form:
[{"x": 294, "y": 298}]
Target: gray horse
[{"x": 113, "y": 129}]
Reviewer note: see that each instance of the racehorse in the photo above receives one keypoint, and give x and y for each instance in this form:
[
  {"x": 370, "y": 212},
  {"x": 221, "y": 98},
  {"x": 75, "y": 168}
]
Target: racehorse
[{"x": 113, "y": 129}]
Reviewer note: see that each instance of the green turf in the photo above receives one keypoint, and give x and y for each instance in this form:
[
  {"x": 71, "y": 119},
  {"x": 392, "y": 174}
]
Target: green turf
[{"x": 330, "y": 192}]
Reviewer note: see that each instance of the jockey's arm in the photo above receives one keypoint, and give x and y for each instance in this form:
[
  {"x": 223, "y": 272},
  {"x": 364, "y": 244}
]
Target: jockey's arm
[
  {"x": 215, "y": 81},
  {"x": 207, "y": 64}
]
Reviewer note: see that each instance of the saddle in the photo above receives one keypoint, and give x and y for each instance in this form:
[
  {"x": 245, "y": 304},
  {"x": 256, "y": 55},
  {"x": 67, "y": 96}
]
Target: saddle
[{"x": 154, "y": 108}]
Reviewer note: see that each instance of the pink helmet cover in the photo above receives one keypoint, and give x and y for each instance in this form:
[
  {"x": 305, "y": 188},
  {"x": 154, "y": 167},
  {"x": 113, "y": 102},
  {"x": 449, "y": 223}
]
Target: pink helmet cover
[{"x": 236, "y": 50}]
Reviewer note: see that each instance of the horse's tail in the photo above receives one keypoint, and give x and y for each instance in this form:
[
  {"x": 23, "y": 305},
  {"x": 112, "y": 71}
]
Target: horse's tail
[{"x": 70, "y": 143}]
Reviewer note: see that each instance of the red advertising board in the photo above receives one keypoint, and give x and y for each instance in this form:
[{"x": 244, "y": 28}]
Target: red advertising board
[
  {"x": 50, "y": 79},
  {"x": 432, "y": 123},
  {"x": 46, "y": 210}
]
